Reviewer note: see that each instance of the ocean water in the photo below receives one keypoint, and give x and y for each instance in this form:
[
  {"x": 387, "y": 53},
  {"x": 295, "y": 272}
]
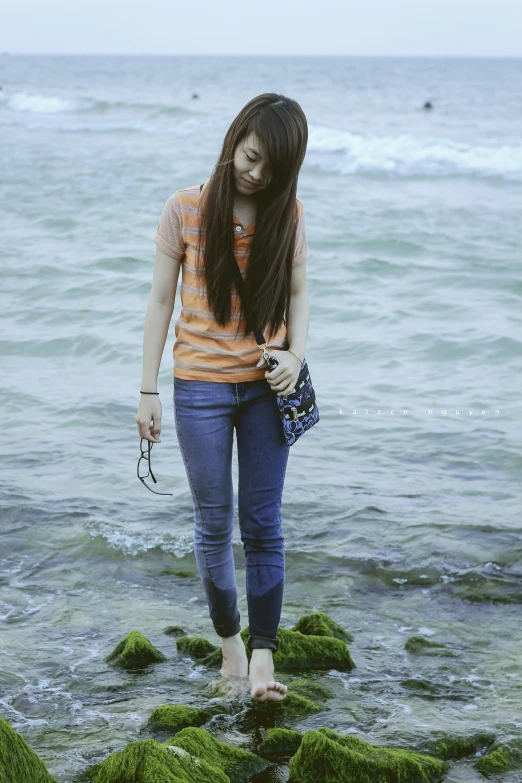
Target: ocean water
[{"x": 402, "y": 507}]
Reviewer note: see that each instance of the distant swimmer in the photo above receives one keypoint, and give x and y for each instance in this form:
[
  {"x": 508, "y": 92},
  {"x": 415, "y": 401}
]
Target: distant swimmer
[{"x": 428, "y": 105}]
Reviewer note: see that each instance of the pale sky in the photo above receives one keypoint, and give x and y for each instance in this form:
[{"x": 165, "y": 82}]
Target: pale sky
[{"x": 308, "y": 27}]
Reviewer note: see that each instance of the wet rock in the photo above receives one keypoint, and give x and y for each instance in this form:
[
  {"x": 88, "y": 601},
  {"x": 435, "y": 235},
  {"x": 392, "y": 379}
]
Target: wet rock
[
  {"x": 299, "y": 651},
  {"x": 310, "y": 689},
  {"x": 327, "y": 757},
  {"x": 147, "y": 761},
  {"x": 479, "y": 588},
  {"x": 236, "y": 763},
  {"x": 172, "y": 718},
  {"x": 457, "y": 690},
  {"x": 196, "y": 647},
  {"x": 275, "y": 713},
  {"x": 497, "y": 760},
  {"x": 135, "y": 652},
  {"x": 422, "y": 687},
  {"x": 174, "y": 630},
  {"x": 19, "y": 762},
  {"x": 293, "y": 707},
  {"x": 403, "y": 578},
  {"x": 505, "y": 756},
  {"x": 421, "y": 646},
  {"x": 280, "y": 742},
  {"x": 459, "y": 747},
  {"x": 321, "y": 624}
]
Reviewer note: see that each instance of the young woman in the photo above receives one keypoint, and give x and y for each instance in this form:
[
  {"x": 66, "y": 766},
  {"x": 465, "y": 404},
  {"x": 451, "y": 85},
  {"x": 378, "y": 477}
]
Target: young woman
[{"x": 247, "y": 212}]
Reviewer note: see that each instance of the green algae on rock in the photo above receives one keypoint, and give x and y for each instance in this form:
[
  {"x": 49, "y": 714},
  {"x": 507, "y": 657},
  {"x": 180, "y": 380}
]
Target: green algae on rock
[
  {"x": 498, "y": 759},
  {"x": 420, "y": 646},
  {"x": 174, "y": 630},
  {"x": 303, "y": 651},
  {"x": 304, "y": 686},
  {"x": 280, "y": 742},
  {"x": 196, "y": 646},
  {"x": 459, "y": 747},
  {"x": 147, "y": 761},
  {"x": 174, "y": 717},
  {"x": 327, "y": 757},
  {"x": 292, "y": 707},
  {"x": 479, "y": 589},
  {"x": 236, "y": 763},
  {"x": 321, "y": 624},
  {"x": 18, "y": 762},
  {"x": 299, "y": 651},
  {"x": 135, "y": 652},
  {"x": 269, "y": 714},
  {"x": 423, "y": 687}
]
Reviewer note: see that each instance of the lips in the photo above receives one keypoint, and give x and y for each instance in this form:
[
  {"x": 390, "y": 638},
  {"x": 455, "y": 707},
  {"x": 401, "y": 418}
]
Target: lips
[{"x": 251, "y": 184}]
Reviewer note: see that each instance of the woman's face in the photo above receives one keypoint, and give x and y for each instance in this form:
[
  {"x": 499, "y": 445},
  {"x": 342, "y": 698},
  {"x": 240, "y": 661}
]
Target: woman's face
[{"x": 250, "y": 166}]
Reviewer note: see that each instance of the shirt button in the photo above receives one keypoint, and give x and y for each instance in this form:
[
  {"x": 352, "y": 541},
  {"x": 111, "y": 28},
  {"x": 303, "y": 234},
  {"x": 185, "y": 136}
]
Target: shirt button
[{"x": 238, "y": 228}]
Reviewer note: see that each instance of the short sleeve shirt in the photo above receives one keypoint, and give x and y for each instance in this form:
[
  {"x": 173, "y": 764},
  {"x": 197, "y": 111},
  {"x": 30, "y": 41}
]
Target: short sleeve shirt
[{"x": 205, "y": 350}]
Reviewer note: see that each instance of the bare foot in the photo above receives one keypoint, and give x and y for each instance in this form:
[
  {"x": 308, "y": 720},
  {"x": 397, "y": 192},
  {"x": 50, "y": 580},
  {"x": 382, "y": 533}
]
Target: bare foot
[
  {"x": 235, "y": 661},
  {"x": 261, "y": 677}
]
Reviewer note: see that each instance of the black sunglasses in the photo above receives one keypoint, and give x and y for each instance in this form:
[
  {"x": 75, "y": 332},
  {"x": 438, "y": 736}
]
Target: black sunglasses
[{"x": 145, "y": 455}]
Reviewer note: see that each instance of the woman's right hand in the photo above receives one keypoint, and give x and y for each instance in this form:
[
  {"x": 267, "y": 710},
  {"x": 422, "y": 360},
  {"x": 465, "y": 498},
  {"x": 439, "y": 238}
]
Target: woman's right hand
[{"x": 148, "y": 417}]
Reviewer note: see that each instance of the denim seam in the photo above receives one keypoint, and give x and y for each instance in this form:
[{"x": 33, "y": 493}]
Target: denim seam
[{"x": 199, "y": 506}]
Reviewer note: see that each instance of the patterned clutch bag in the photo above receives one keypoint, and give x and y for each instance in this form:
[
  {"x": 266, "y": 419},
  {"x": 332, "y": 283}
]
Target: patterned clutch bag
[{"x": 298, "y": 410}]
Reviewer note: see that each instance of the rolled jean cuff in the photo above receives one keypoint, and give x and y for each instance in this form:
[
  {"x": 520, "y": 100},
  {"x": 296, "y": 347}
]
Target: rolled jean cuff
[
  {"x": 258, "y": 642},
  {"x": 229, "y": 630}
]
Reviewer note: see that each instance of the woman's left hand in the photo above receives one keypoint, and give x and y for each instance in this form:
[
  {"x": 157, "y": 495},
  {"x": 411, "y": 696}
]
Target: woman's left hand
[{"x": 284, "y": 377}]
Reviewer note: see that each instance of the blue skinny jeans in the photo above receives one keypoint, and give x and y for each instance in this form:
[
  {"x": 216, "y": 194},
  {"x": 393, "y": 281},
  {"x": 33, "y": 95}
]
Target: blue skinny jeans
[{"x": 206, "y": 413}]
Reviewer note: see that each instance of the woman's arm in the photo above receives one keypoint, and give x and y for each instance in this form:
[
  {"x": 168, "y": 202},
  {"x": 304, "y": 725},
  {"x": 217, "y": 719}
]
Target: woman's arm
[
  {"x": 159, "y": 313},
  {"x": 298, "y": 317}
]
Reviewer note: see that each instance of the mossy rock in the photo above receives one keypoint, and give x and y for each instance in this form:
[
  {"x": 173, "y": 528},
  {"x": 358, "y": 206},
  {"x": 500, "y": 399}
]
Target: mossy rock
[
  {"x": 321, "y": 624},
  {"x": 135, "y": 652},
  {"x": 503, "y": 757},
  {"x": 453, "y": 748},
  {"x": 480, "y": 589},
  {"x": 280, "y": 742},
  {"x": 422, "y": 687},
  {"x": 327, "y": 757},
  {"x": 421, "y": 646},
  {"x": 147, "y": 761},
  {"x": 269, "y": 714},
  {"x": 298, "y": 651},
  {"x": 236, "y": 763},
  {"x": 174, "y": 630},
  {"x": 310, "y": 689},
  {"x": 18, "y": 762},
  {"x": 292, "y": 707},
  {"x": 195, "y": 646},
  {"x": 498, "y": 760},
  {"x": 174, "y": 717}
]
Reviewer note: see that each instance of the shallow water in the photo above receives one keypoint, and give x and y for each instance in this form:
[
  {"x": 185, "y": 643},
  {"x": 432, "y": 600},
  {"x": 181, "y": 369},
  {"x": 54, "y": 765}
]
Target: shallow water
[{"x": 400, "y": 515}]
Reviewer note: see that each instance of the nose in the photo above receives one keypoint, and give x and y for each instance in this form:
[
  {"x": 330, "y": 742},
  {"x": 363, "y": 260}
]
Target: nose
[{"x": 256, "y": 172}]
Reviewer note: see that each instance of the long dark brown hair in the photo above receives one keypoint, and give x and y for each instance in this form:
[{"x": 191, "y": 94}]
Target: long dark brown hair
[{"x": 281, "y": 127}]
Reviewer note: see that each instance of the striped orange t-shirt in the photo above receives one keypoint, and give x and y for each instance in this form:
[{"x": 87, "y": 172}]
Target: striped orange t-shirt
[{"x": 204, "y": 350}]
